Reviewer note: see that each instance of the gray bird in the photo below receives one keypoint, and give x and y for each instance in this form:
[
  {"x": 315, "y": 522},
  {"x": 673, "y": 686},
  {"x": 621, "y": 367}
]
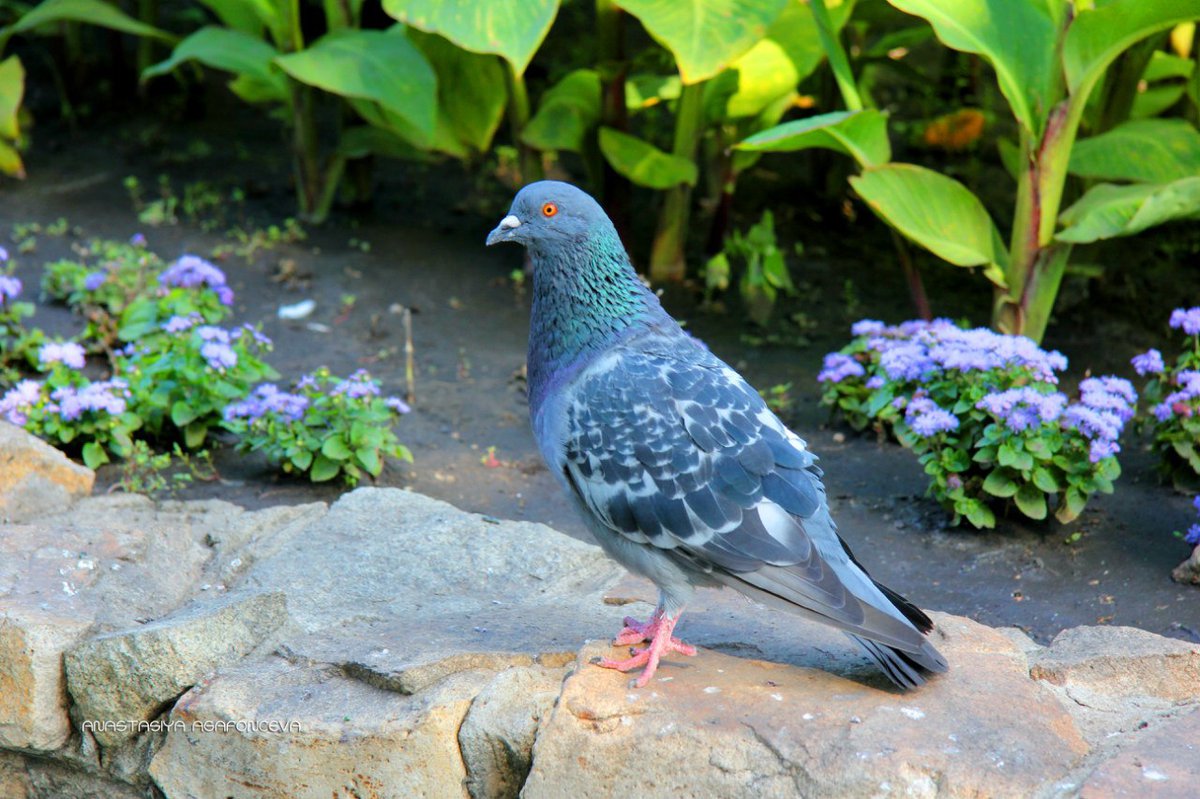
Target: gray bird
[{"x": 681, "y": 471}]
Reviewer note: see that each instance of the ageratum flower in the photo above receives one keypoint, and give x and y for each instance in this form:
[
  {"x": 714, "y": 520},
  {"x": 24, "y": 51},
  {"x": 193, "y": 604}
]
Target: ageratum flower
[
  {"x": 220, "y": 356},
  {"x": 357, "y": 386},
  {"x": 837, "y": 367},
  {"x": 867, "y": 327},
  {"x": 95, "y": 280},
  {"x": 267, "y": 398},
  {"x": 1105, "y": 405},
  {"x": 18, "y": 400},
  {"x": 108, "y": 397},
  {"x": 1149, "y": 362},
  {"x": 927, "y": 419},
  {"x": 10, "y": 287},
  {"x": 1023, "y": 408},
  {"x": 396, "y": 404},
  {"x": 1179, "y": 403},
  {"x": 178, "y": 324},
  {"x": 137, "y": 240},
  {"x": 67, "y": 353},
  {"x": 1186, "y": 319},
  {"x": 251, "y": 331},
  {"x": 191, "y": 271}
]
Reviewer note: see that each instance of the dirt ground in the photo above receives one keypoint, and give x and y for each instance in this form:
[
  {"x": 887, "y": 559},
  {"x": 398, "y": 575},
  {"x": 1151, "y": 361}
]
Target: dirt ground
[{"x": 425, "y": 235}]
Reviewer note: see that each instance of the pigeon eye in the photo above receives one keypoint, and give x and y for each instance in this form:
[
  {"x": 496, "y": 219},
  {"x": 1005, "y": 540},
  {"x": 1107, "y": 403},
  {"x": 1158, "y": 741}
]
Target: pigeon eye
[{"x": 549, "y": 210}]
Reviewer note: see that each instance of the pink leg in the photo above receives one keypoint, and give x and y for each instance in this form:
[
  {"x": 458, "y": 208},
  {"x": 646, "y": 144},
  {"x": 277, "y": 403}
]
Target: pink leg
[{"x": 658, "y": 630}]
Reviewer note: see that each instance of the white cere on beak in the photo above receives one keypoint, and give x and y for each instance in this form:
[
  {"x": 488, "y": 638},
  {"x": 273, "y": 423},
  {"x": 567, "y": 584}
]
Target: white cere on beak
[{"x": 509, "y": 222}]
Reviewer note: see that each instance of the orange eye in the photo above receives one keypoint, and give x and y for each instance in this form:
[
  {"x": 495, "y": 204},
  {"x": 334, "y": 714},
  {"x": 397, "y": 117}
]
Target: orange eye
[{"x": 549, "y": 210}]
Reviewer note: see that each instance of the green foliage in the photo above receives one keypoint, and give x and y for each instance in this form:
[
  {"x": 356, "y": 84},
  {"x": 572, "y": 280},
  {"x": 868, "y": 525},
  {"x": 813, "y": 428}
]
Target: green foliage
[
  {"x": 513, "y": 29},
  {"x": 12, "y": 91},
  {"x": 1172, "y": 395},
  {"x": 764, "y": 269},
  {"x": 861, "y": 135},
  {"x": 144, "y": 471},
  {"x": 643, "y": 163},
  {"x": 325, "y": 428},
  {"x": 1047, "y": 62}
]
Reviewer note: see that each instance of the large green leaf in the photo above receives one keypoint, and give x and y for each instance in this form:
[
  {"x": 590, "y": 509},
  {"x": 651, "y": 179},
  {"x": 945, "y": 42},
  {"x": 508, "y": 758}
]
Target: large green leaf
[
  {"x": 380, "y": 66},
  {"x": 513, "y": 29},
  {"x": 1108, "y": 211},
  {"x": 643, "y": 163},
  {"x": 231, "y": 51},
  {"x": 92, "y": 12},
  {"x": 772, "y": 68},
  {"x": 705, "y": 36},
  {"x": 472, "y": 94},
  {"x": 935, "y": 211},
  {"x": 12, "y": 89},
  {"x": 1017, "y": 37},
  {"x": 1098, "y": 35},
  {"x": 859, "y": 134},
  {"x": 10, "y": 161},
  {"x": 241, "y": 15},
  {"x": 567, "y": 111},
  {"x": 1144, "y": 150}
]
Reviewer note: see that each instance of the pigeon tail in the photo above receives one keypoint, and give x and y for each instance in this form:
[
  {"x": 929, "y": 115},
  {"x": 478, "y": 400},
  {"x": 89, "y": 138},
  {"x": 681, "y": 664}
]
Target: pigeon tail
[{"x": 907, "y": 669}]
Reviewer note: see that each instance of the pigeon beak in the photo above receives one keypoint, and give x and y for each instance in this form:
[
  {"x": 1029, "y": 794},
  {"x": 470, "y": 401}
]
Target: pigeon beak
[{"x": 505, "y": 231}]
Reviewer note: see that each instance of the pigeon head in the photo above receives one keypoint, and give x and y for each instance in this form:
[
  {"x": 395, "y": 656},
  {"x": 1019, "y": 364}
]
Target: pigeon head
[{"x": 551, "y": 214}]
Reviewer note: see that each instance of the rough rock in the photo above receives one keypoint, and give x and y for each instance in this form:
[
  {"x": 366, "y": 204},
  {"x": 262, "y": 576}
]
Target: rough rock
[
  {"x": 36, "y": 477},
  {"x": 107, "y": 563},
  {"x": 1189, "y": 570},
  {"x": 1117, "y": 678},
  {"x": 496, "y": 738},
  {"x": 737, "y": 727},
  {"x": 273, "y": 729},
  {"x": 132, "y": 675},
  {"x": 1162, "y": 764}
]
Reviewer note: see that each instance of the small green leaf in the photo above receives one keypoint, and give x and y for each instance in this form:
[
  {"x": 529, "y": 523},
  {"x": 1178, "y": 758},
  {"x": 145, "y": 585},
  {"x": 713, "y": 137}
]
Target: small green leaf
[
  {"x": 979, "y": 514},
  {"x": 369, "y": 458},
  {"x": 568, "y": 111},
  {"x": 1031, "y": 502},
  {"x": 1044, "y": 479},
  {"x": 935, "y": 211},
  {"x": 705, "y": 36},
  {"x": 643, "y": 163},
  {"x": 1143, "y": 150},
  {"x": 12, "y": 90},
  {"x": 999, "y": 484},
  {"x": 94, "y": 455},
  {"x": 229, "y": 51},
  {"x": 513, "y": 29},
  {"x": 303, "y": 459},
  {"x": 1072, "y": 505},
  {"x": 324, "y": 469},
  {"x": 860, "y": 134},
  {"x": 91, "y": 12},
  {"x": 1107, "y": 211},
  {"x": 194, "y": 434},
  {"x": 182, "y": 413},
  {"x": 335, "y": 448}
]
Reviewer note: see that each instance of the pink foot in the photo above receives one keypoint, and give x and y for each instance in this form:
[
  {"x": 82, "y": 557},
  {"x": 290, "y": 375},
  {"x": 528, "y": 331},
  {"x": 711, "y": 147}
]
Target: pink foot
[{"x": 658, "y": 632}]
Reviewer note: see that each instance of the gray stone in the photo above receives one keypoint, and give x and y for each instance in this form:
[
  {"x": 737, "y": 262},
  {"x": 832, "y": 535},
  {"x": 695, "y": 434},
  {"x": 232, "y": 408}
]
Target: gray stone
[
  {"x": 724, "y": 726},
  {"x": 1188, "y": 572},
  {"x": 272, "y": 729},
  {"x": 497, "y": 736},
  {"x": 134, "y": 674},
  {"x": 1161, "y": 763},
  {"x": 35, "y": 478}
]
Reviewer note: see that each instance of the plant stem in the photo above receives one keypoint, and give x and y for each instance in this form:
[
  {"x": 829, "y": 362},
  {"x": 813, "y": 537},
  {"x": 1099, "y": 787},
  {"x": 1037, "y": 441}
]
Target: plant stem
[
  {"x": 147, "y": 13},
  {"x": 612, "y": 66},
  {"x": 666, "y": 256},
  {"x": 518, "y": 118},
  {"x": 916, "y": 288},
  {"x": 836, "y": 55}
]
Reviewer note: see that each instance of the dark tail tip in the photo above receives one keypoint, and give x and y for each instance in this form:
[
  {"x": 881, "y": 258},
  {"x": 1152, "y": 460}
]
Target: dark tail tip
[{"x": 905, "y": 669}]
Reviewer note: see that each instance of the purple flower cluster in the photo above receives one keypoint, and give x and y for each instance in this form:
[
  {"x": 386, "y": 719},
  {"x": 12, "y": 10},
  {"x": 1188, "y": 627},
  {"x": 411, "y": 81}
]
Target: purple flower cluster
[
  {"x": 267, "y": 398},
  {"x": 67, "y": 353},
  {"x": 1180, "y": 403},
  {"x": 1186, "y": 319},
  {"x": 926, "y": 419},
  {"x": 1105, "y": 405},
  {"x": 95, "y": 280},
  {"x": 1149, "y": 362},
  {"x": 108, "y": 396},
  {"x": 216, "y": 349},
  {"x": 357, "y": 386},
  {"x": 10, "y": 288},
  {"x": 1022, "y": 408},
  {"x": 917, "y": 351},
  {"x": 1193, "y": 533},
  {"x": 178, "y": 324},
  {"x": 17, "y": 401},
  {"x": 69, "y": 402},
  {"x": 191, "y": 271},
  {"x": 837, "y": 367},
  {"x": 396, "y": 404}
]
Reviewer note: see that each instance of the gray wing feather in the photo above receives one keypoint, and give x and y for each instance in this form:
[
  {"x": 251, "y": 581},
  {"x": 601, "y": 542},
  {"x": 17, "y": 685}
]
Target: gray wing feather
[{"x": 680, "y": 453}]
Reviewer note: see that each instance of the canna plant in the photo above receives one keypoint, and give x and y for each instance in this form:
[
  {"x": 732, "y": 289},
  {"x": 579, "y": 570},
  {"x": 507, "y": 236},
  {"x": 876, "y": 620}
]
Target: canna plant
[{"x": 1048, "y": 55}]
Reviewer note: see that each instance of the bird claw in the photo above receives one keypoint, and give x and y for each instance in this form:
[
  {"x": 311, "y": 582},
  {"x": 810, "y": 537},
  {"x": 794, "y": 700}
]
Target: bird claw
[{"x": 658, "y": 632}]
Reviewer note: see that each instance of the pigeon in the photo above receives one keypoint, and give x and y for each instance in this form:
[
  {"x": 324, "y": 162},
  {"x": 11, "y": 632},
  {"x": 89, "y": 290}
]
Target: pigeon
[{"x": 680, "y": 470}]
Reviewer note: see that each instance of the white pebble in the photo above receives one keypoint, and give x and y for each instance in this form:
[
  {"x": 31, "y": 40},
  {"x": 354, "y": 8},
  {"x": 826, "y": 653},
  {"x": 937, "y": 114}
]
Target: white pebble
[
  {"x": 712, "y": 689},
  {"x": 912, "y": 712}
]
